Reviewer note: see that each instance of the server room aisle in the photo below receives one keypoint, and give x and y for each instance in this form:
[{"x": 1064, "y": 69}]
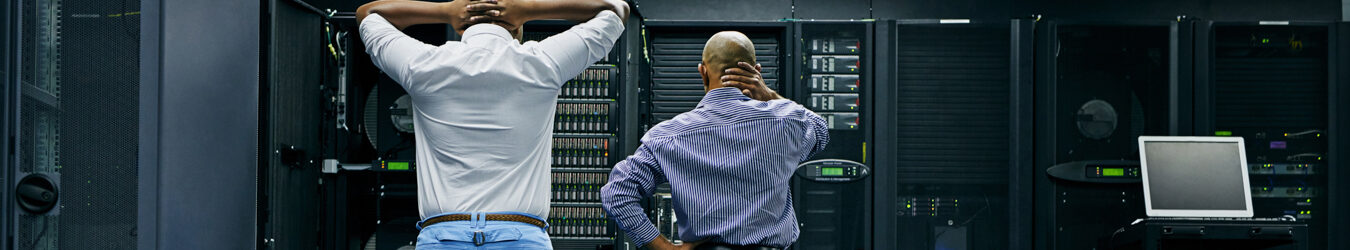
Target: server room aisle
[{"x": 951, "y": 125}]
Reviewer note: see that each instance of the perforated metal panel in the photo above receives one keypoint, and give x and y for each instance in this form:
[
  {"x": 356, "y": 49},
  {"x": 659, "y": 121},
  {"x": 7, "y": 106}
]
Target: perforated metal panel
[
  {"x": 953, "y": 104},
  {"x": 676, "y": 84},
  {"x": 79, "y": 121}
]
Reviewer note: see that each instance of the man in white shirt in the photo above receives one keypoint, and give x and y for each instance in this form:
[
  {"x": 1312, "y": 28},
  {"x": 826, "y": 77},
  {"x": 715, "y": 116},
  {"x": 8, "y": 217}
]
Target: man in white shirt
[{"x": 483, "y": 108}]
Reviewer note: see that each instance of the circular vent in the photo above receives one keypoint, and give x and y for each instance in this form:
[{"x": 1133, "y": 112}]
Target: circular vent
[{"x": 1097, "y": 119}]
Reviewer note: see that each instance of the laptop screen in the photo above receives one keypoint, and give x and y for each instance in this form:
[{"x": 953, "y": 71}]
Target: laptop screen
[{"x": 1195, "y": 175}]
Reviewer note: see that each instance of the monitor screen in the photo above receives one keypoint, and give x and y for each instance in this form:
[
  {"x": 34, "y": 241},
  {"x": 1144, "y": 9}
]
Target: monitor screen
[{"x": 1191, "y": 175}]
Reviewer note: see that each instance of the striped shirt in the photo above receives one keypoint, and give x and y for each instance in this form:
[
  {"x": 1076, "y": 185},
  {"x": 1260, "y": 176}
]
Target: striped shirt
[{"x": 728, "y": 163}]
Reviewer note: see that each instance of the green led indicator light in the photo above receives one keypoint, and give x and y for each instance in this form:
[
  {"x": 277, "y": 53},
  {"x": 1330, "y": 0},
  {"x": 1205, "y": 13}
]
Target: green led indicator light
[
  {"x": 1223, "y": 133},
  {"x": 394, "y": 165},
  {"x": 1265, "y": 40}
]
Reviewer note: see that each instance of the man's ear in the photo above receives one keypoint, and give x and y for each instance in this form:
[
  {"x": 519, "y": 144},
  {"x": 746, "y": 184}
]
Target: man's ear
[{"x": 703, "y": 72}]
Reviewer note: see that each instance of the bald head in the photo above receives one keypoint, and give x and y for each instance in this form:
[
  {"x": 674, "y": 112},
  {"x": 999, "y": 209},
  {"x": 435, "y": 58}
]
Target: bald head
[{"x": 722, "y": 52}]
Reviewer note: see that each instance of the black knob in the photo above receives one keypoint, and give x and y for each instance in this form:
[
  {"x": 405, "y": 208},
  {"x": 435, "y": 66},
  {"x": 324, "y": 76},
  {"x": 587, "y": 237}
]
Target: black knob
[{"x": 36, "y": 194}]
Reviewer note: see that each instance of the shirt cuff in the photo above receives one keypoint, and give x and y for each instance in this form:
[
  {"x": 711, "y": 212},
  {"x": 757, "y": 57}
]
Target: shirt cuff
[
  {"x": 608, "y": 14},
  {"x": 644, "y": 233},
  {"x": 608, "y": 22},
  {"x": 373, "y": 21}
]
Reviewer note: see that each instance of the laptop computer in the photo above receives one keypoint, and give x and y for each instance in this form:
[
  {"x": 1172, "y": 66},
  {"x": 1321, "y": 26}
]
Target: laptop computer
[{"x": 1196, "y": 178}]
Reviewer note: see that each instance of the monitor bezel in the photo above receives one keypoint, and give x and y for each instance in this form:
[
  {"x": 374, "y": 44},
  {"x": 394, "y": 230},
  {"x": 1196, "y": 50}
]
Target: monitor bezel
[{"x": 1148, "y": 199}]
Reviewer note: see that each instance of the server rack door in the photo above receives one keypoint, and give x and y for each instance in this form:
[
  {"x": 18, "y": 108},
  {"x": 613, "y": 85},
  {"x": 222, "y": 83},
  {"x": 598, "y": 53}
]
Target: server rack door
[
  {"x": 953, "y": 143},
  {"x": 1271, "y": 85},
  {"x": 77, "y": 125},
  {"x": 1098, "y": 86}
]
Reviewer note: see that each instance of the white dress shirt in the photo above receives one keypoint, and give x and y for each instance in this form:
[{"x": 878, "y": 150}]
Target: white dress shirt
[{"x": 484, "y": 109}]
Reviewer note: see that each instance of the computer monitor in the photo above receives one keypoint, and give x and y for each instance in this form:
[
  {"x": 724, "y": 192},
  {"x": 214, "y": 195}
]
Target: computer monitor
[{"x": 1195, "y": 176}]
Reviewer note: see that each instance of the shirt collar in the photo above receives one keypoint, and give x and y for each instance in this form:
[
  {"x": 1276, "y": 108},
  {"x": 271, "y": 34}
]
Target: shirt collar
[
  {"x": 723, "y": 94},
  {"x": 486, "y": 29}
]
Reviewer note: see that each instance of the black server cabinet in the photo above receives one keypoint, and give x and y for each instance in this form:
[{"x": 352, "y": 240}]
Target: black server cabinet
[
  {"x": 72, "y": 119},
  {"x": 831, "y": 191},
  {"x": 1271, "y": 83},
  {"x": 1098, "y": 87},
  {"x": 953, "y": 134}
]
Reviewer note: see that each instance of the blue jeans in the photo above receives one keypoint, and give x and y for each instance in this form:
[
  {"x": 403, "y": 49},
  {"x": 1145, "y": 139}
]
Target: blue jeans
[{"x": 480, "y": 234}]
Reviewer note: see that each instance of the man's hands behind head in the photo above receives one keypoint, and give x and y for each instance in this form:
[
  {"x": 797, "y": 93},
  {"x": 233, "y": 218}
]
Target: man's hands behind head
[
  {"x": 511, "y": 14},
  {"x": 466, "y": 13},
  {"x": 747, "y": 78}
]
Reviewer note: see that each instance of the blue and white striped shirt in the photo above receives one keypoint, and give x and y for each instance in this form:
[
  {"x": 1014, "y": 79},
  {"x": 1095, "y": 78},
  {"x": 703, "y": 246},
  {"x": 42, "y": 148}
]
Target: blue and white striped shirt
[{"x": 728, "y": 162}]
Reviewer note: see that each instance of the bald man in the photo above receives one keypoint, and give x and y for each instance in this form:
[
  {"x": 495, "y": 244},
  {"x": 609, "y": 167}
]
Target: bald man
[{"x": 728, "y": 161}]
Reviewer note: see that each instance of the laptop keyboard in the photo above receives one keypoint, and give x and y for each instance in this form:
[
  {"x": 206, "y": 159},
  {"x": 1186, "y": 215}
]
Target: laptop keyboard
[{"x": 1214, "y": 219}]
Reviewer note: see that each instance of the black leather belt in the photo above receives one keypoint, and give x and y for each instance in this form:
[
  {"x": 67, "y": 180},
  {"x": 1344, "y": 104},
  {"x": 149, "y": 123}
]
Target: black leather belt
[{"x": 725, "y": 246}]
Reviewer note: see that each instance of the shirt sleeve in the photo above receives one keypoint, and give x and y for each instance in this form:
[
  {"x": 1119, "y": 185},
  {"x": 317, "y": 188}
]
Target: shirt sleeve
[
  {"x": 391, "y": 50},
  {"x": 573, "y": 50},
  {"x": 817, "y": 134},
  {"x": 630, "y": 181}
]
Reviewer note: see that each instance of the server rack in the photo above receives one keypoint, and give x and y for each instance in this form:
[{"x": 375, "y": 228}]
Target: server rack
[
  {"x": 953, "y": 87},
  {"x": 593, "y": 129},
  {"x": 835, "y": 79},
  {"x": 1274, "y": 83},
  {"x": 72, "y": 117},
  {"x": 1090, "y": 74}
]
